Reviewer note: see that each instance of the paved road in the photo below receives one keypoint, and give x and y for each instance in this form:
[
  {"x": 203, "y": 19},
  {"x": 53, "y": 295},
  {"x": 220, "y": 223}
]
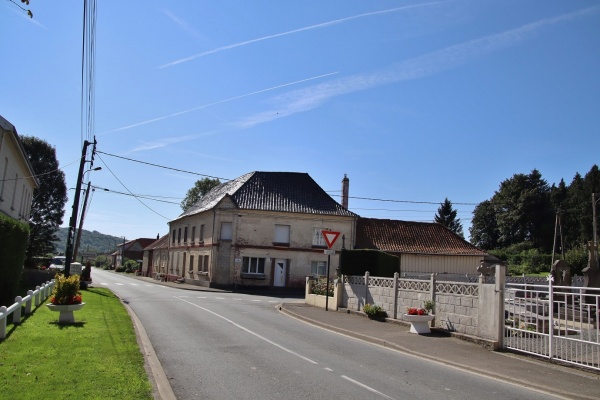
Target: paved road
[{"x": 235, "y": 346}]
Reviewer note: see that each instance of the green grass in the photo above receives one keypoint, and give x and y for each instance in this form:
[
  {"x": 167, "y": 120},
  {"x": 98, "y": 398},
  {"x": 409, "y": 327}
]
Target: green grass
[{"x": 97, "y": 357}]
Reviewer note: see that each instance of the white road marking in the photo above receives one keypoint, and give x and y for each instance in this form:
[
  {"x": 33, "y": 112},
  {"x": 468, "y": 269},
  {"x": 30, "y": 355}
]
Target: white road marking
[
  {"x": 134, "y": 284},
  {"x": 250, "y": 332},
  {"x": 370, "y": 389},
  {"x": 203, "y": 297},
  {"x": 220, "y": 298},
  {"x": 104, "y": 283},
  {"x": 256, "y": 300},
  {"x": 119, "y": 284},
  {"x": 328, "y": 369}
]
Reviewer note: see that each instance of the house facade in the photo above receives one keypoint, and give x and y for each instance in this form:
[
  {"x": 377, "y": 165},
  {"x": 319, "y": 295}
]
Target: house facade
[
  {"x": 156, "y": 256},
  {"x": 130, "y": 250},
  {"x": 423, "y": 247},
  {"x": 18, "y": 179},
  {"x": 262, "y": 229}
]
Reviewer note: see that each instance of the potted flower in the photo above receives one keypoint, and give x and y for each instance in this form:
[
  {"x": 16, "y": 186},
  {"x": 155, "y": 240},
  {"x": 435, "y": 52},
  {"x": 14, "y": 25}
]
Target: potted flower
[
  {"x": 419, "y": 319},
  {"x": 66, "y": 298}
]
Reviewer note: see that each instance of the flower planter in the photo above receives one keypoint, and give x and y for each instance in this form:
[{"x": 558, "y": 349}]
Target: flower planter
[
  {"x": 419, "y": 323},
  {"x": 66, "y": 311}
]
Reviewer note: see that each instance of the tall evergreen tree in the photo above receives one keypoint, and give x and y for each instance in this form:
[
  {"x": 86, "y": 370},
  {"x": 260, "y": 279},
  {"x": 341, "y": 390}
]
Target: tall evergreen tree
[
  {"x": 47, "y": 208},
  {"x": 446, "y": 215}
]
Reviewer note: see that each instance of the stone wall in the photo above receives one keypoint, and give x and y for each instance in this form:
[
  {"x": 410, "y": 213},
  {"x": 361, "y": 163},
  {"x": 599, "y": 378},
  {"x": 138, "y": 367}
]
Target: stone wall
[{"x": 456, "y": 303}]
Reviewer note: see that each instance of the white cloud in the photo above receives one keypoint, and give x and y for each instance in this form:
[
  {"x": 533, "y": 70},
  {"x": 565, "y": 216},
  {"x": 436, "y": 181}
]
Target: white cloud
[{"x": 419, "y": 67}]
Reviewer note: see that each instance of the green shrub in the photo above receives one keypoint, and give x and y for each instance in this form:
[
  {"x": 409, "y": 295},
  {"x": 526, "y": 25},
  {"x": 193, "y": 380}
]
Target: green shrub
[
  {"x": 13, "y": 244},
  {"x": 374, "y": 311},
  {"x": 320, "y": 287}
]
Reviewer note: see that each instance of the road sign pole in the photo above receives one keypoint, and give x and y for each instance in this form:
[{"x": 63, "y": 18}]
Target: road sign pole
[{"x": 327, "y": 286}]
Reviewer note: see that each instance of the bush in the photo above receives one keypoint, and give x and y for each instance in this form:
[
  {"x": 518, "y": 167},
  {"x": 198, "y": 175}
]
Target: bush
[
  {"x": 120, "y": 268},
  {"x": 374, "y": 311},
  {"x": 131, "y": 266},
  {"x": 320, "y": 287},
  {"x": 13, "y": 244}
]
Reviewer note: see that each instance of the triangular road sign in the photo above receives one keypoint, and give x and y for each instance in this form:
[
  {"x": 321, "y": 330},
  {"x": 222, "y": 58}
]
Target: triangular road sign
[{"x": 330, "y": 237}]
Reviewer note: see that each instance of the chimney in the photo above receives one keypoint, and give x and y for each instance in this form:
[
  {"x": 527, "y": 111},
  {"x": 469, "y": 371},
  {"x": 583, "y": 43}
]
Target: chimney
[{"x": 345, "y": 187}]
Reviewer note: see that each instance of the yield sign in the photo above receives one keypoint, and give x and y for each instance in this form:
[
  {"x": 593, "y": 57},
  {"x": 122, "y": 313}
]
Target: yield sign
[{"x": 330, "y": 237}]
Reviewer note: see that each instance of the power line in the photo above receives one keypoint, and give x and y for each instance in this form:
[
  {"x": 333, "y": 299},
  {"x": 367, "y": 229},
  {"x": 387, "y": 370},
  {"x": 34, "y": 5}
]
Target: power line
[
  {"x": 137, "y": 198},
  {"x": 163, "y": 166},
  {"x": 226, "y": 179}
]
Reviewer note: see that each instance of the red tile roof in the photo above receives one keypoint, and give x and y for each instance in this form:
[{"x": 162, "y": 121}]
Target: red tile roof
[{"x": 397, "y": 236}]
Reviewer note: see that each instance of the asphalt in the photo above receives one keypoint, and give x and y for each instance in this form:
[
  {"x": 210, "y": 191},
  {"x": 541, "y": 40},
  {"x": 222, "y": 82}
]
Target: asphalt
[{"x": 454, "y": 351}]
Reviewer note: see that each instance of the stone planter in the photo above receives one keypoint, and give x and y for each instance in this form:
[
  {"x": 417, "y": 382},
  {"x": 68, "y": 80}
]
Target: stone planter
[
  {"x": 419, "y": 323},
  {"x": 66, "y": 311}
]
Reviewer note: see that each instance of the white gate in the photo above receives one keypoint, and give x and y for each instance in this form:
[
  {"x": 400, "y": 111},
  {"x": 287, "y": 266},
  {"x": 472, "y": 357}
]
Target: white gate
[{"x": 556, "y": 322}]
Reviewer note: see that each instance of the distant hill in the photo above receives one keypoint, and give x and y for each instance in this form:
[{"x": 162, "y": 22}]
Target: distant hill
[{"x": 90, "y": 241}]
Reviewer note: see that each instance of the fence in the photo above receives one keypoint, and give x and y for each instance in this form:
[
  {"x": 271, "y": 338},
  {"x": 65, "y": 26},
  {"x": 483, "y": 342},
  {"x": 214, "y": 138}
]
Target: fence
[
  {"x": 36, "y": 297},
  {"x": 457, "y": 304},
  {"x": 556, "y": 322}
]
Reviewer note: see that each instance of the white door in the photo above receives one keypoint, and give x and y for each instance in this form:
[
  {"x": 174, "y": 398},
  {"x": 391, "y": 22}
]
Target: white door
[{"x": 279, "y": 276}]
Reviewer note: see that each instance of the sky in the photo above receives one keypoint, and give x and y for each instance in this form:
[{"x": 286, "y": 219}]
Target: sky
[{"x": 415, "y": 101}]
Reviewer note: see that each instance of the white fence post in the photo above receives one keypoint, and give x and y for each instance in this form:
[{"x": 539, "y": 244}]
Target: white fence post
[
  {"x": 3, "y": 322},
  {"x": 29, "y": 298},
  {"x": 37, "y": 295},
  {"x": 500, "y": 285},
  {"x": 17, "y": 312},
  {"x": 366, "y": 289},
  {"x": 396, "y": 276}
]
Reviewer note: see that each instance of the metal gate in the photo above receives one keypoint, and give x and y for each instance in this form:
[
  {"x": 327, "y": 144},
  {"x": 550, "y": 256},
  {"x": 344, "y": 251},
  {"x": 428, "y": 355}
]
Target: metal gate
[{"x": 556, "y": 322}]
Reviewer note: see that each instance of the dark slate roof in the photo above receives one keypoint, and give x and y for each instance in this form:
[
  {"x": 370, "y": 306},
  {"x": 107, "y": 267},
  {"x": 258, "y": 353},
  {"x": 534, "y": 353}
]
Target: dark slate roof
[
  {"x": 161, "y": 243},
  {"x": 411, "y": 237},
  {"x": 292, "y": 192}
]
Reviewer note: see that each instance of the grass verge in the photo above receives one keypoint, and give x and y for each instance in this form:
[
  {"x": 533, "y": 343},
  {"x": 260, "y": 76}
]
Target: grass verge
[{"x": 97, "y": 357}]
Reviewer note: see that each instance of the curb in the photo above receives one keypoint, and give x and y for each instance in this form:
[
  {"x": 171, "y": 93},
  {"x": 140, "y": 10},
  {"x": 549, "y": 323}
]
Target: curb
[{"x": 161, "y": 386}]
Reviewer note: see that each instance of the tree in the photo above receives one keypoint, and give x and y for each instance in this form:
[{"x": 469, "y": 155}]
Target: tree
[
  {"x": 47, "y": 208},
  {"x": 524, "y": 212},
  {"x": 446, "y": 216},
  {"x": 201, "y": 187},
  {"x": 484, "y": 230}
]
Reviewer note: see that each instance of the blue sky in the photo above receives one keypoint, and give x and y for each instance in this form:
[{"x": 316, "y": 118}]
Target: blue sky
[{"x": 415, "y": 101}]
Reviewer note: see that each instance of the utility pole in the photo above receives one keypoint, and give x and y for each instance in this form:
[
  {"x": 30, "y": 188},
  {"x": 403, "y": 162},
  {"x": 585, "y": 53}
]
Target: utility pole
[
  {"x": 78, "y": 240},
  {"x": 595, "y": 226},
  {"x": 73, "y": 219}
]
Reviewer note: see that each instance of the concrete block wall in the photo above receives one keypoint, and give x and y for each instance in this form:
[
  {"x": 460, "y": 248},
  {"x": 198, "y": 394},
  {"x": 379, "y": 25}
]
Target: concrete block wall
[
  {"x": 457, "y": 313},
  {"x": 453, "y": 311}
]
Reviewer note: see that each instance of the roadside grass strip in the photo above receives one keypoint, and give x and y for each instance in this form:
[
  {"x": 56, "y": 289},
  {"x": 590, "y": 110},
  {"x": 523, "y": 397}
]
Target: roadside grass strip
[{"x": 97, "y": 357}]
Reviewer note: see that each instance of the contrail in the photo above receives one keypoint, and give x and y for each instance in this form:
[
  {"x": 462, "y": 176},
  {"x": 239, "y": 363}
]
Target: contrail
[
  {"x": 307, "y": 28},
  {"x": 215, "y": 103}
]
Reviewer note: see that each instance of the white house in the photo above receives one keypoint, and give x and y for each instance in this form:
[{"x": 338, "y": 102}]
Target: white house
[{"x": 18, "y": 179}]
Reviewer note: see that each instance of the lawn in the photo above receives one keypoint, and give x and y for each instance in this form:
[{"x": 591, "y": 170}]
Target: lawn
[{"x": 97, "y": 357}]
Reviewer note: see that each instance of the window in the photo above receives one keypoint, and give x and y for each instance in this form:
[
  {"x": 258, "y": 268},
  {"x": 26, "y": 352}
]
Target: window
[
  {"x": 191, "y": 263},
  {"x": 318, "y": 239},
  {"x": 201, "y": 233},
  {"x": 318, "y": 268},
  {"x": 253, "y": 265},
  {"x": 282, "y": 234},
  {"x": 179, "y": 235},
  {"x": 193, "y": 235},
  {"x": 226, "y": 231},
  {"x": 185, "y": 234},
  {"x": 173, "y": 238},
  {"x": 205, "y": 264}
]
